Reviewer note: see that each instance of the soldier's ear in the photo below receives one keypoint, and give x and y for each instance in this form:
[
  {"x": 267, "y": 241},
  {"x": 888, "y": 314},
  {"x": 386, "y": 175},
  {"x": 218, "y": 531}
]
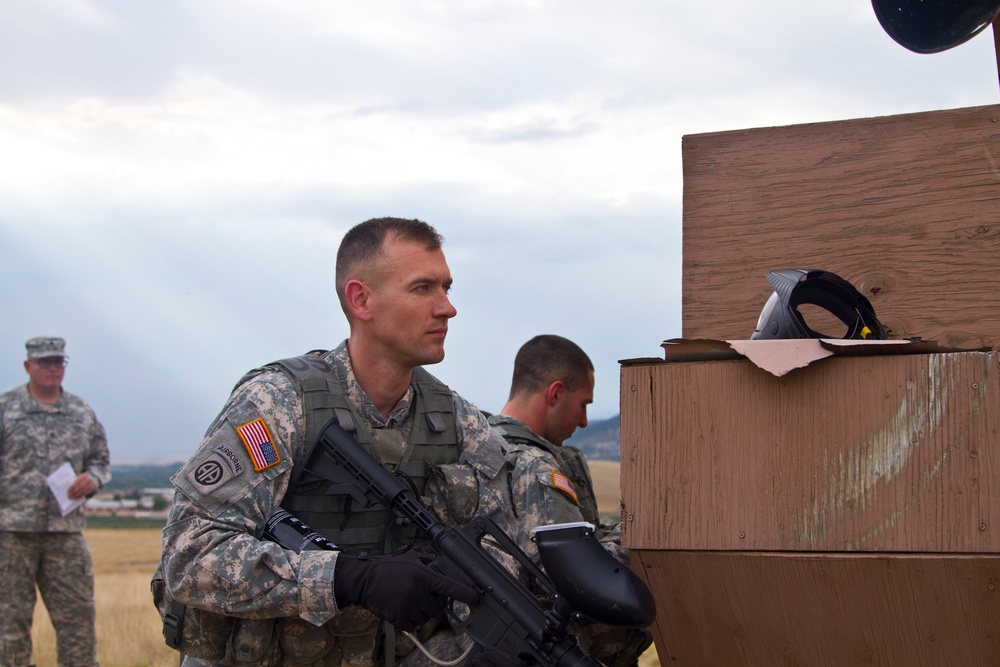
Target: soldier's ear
[
  {"x": 554, "y": 393},
  {"x": 357, "y": 296}
]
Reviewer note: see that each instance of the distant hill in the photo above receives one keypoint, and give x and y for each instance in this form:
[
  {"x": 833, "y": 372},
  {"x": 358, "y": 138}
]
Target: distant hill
[
  {"x": 601, "y": 440},
  {"x": 131, "y": 477}
]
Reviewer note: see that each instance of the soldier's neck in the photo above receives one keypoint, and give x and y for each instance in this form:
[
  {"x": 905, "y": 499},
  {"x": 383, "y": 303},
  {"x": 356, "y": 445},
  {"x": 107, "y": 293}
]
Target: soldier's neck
[{"x": 48, "y": 396}]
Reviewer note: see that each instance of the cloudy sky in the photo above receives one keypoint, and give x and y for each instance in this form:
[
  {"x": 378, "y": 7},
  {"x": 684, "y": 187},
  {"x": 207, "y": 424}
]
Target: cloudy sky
[{"x": 175, "y": 176}]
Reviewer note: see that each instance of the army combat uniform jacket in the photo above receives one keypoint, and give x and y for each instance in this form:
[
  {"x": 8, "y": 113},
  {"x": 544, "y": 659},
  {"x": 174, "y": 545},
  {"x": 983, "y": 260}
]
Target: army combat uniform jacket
[
  {"x": 35, "y": 439},
  {"x": 551, "y": 484},
  {"x": 213, "y": 558}
]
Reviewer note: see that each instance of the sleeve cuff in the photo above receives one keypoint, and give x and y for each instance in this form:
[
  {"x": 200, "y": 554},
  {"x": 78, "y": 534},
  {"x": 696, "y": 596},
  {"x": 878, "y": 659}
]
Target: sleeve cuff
[{"x": 317, "y": 604}]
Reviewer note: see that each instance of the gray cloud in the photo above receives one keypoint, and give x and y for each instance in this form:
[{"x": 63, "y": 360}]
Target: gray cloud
[{"x": 176, "y": 176}]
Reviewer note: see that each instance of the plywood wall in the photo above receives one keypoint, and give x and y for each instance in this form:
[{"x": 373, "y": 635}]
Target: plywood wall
[
  {"x": 889, "y": 453},
  {"x": 906, "y": 207},
  {"x": 846, "y": 513},
  {"x": 731, "y": 609}
]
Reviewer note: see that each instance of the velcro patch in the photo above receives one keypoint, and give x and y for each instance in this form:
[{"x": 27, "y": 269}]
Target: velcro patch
[
  {"x": 214, "y": 470},
  {"x": 563, "y": 483},
  {"x": 259, "y": 444}
]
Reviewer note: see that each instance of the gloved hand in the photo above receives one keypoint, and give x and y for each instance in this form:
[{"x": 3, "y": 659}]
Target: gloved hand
[
  {"x": 491, "y": 656},
  {"x": 398, "y": 588}
]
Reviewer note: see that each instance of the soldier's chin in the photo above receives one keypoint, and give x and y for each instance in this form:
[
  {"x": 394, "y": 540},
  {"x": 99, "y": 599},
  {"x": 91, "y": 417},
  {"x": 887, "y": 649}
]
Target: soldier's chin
[{"x": 433, "y": 357}]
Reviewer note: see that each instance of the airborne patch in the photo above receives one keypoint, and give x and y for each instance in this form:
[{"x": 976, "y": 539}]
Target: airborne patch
[
  {"x": 563, "y": 483},
  {"x": 213, "y": 471},
  {"x": 259, "y": 444}
]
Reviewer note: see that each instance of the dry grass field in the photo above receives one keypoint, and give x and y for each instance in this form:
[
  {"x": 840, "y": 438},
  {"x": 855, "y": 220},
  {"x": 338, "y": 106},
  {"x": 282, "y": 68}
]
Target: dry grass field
[
  {"x": 606, "y": 476},
  {"x": 129, "y": 632},
  {"x": 128, "y": 627}
]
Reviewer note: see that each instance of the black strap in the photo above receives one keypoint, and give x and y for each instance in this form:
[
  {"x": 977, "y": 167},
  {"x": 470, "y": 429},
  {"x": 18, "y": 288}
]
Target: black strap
[{"x": 173, "y": 624}]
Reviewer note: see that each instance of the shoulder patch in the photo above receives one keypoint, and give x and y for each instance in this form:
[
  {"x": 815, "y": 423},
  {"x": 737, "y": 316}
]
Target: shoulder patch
[
  {"x": 257, "y": 439},
  {"x": 213, "y": 471},
  {"x": 563, "y": 483}
]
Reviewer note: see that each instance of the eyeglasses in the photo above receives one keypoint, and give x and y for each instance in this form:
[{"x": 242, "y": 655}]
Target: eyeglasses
[{"x": 52, "y": 362}]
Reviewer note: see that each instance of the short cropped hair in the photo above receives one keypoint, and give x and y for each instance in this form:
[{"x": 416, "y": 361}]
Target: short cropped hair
[
  {"x": 364, "y": 245},
  {"x": 545, "y": 359}
]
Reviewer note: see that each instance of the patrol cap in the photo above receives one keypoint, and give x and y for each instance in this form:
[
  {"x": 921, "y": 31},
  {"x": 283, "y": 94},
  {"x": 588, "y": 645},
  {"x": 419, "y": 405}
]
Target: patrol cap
[{"x": 46, "y": 346}]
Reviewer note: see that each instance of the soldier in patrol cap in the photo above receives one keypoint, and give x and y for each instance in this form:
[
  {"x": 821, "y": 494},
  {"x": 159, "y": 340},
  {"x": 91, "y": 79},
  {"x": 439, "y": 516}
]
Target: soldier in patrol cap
[
  {"x": 230, "y": 597},
  {"x": 43, "y": 427},
  {"x": 552, "y": 385}
]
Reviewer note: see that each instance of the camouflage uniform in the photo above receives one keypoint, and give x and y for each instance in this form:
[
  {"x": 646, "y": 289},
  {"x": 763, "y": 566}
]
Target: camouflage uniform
[
  {"x": 37, "y": 544},
  {"x": 552, "y": 484},
  {"x": 212, "y": 557}
]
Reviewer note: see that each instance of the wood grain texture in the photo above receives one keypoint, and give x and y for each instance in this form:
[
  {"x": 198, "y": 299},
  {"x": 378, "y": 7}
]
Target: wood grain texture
[
  {"x": 846, "y": 513},
  {"x": 879, "y": 454},
  {"x": 729, "y": 609},
  {"x": 906, "y": 207}
]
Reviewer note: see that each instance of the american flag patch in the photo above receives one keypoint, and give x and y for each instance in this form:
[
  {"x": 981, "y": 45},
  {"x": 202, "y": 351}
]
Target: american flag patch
[
  {"x": 563, "y": 483},
  {"x": 257, "y": 440}
]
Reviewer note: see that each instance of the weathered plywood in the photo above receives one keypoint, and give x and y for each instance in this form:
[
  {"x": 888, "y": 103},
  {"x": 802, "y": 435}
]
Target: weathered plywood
[
  {"x": 881, "y": 454},
  {"x": 905, "y": 207},
  {"x": 728, "y": 609}
]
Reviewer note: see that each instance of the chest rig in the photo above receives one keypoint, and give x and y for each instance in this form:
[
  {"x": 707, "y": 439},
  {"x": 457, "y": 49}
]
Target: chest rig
[
  {"x": 569, "y": 461},
  {"x": 428, "y": 437},
  {"x": 354, "y": 637}
]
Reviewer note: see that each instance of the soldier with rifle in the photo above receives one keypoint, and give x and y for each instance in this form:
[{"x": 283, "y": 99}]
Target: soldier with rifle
[
  {"x": 397, "y": 584},
  {"x": 230, "y": 597}
]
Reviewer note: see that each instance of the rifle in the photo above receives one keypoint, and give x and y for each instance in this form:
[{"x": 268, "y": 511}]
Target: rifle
[{"x": 586, "y": 578}]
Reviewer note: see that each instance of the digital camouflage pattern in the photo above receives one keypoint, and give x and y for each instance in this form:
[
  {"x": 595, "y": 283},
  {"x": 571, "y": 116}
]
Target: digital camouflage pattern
[
  {"x": 212, "y": 558},
  {"x": 573, "y": 463},
  {"x": 41, "y": 347},
  {"x": 540, "y": 500},
  {"x": 35, "y": 439},
  {"x": 37, "y": 544},
  {"x": 60, "y": 562}
]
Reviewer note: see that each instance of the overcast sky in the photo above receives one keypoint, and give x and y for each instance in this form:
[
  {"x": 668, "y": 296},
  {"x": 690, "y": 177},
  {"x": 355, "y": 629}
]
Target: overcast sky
[{"x": 175, "y": 177}]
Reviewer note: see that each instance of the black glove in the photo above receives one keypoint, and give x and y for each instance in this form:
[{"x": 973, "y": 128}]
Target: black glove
[
  {"x": 400, "y": 589},
  {"x": 491, "y": 656}
]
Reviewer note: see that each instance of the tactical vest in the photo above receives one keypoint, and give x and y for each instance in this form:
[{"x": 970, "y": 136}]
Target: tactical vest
[
  {"x": 428, "y": 438},
  {"x": 569, "y": 460},
  {"x": 353, "y": 637}
]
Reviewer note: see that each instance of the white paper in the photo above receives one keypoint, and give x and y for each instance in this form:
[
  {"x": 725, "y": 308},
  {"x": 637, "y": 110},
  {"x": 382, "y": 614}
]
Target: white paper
[{"x": 59, "y": 482}]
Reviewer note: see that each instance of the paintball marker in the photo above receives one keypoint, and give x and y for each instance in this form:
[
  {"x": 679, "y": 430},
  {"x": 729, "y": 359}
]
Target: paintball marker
[{"x": 508, "y": 616}]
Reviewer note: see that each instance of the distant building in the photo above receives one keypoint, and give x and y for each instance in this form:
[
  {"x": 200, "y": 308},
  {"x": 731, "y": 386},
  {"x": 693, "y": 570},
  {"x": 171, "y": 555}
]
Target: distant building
[{"x": 167, "y": 493}]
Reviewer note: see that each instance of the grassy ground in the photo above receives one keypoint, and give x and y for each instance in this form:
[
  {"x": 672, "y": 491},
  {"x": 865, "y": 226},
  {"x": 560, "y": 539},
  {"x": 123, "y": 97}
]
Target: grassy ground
[
  {"x": 606, "y": 476},
  {"x": 129, "y": 631}
]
